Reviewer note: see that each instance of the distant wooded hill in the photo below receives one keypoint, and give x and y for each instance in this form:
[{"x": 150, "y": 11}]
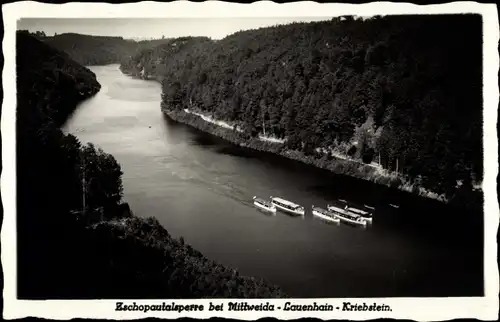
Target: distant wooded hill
[
  {"x": 91, "y": 50},
  {"x": 402, "y": 90}
]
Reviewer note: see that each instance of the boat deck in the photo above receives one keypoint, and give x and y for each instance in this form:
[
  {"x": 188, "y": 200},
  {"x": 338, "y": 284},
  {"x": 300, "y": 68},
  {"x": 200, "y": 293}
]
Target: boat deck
[
  {"x": 361, "y": 210},
  {"x": 264, "y": 202},
  {"x": 323, "y": 211},
  {"x": 285, "y": 202}
]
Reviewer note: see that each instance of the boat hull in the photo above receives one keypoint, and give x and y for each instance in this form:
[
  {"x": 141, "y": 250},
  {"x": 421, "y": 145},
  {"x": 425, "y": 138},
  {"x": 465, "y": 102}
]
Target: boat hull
[
  {"x": 264, "y": 208},
  {"x": 326, "y": 218},
  {"x": 352, "y": 222},
  {"x": 368, "y": 220},
  {"x": 364, "y": 215},
  {"x": 289, "y": 211},
  {"x": 339, "y": 214}
]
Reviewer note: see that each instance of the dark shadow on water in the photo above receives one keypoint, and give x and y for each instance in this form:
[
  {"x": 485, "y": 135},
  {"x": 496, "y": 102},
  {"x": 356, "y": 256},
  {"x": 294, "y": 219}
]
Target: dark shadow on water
[
  {"x": 204, "y": 141},
  {"x": 296, "y": 217},
  {"x": 196, "y": 137},
  {"x": 265, "y": 213},
  {"x": 235, "y": 152}
]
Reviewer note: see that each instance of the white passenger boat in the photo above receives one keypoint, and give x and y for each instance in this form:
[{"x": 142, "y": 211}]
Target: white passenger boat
[
  {"x": 364, "y": 211},
  {"x": 365, "y": 214},
  {"x": 264, "y": 204},
  {"x": 347, "y": 216},
  {"x": 325, "y": 214},
  {"x": 288, "y": 206}
]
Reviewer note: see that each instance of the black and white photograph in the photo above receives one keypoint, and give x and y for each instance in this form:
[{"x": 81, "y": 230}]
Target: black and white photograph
[{"x": 223, "y": 161}]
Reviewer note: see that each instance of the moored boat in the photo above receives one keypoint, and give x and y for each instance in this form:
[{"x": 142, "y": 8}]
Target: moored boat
[
  {"x": 346, "y": 216},
  {"x": 288, "y": 206},
  {"x": 264, "y": 204},
  {"x": 364, "y": 211},
  {"x": 324, "y": 214},
  {"x": 364, "y": 214},
  {"x": 367, "y": 216}
]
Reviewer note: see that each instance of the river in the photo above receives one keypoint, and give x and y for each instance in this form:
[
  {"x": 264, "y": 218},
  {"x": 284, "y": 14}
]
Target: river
[{"x": 201, "y": 188}]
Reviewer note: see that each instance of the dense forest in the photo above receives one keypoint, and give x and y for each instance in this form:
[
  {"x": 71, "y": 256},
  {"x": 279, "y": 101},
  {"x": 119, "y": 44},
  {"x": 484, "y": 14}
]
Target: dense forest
[
  {"x": 398, "y": 96},
  {"x": 152, "y": 62},
  {"x": 91, "y": 50},
  {"x": 68, "y": 248}
]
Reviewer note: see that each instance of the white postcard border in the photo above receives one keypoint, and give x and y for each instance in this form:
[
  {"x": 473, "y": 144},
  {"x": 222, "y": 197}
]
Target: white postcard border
[{"x": 424, "y": 309}]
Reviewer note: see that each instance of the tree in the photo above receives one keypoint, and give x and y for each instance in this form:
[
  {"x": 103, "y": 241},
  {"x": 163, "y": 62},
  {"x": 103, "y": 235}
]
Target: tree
[{"x": 368, "y": 155}]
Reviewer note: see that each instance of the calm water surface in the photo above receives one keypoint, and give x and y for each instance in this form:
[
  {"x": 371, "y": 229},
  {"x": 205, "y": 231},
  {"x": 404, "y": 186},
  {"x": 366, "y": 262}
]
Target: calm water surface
[{"x": 201, "y": 188}]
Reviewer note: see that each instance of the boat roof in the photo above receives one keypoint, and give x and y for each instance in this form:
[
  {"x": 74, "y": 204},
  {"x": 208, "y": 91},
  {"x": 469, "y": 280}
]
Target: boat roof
[
  {"x": 344, "y": 212},
  {"x": 319, "y": 209},
  {"x": 339, "y": 203},
  {"x": 286, "y": 202},
  {"x": 349, "y": 214},
  {"x": 358, "y": 211},
  {"x": 363, "y": 209}
]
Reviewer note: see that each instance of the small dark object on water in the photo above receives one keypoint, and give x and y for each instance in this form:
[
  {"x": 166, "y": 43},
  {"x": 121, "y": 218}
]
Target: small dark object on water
[{"x": 150, "y": 126}]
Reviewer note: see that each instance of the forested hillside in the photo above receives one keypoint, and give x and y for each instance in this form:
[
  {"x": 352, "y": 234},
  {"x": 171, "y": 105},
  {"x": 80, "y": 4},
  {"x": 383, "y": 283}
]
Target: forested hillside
[
  {"x": 400, "y": 94},
  {"x": 91, "y": 50},
  {"x": 152, "y": 62},
  {"x": 65, "y": 83},
  {"x": 97, "y": 249}
]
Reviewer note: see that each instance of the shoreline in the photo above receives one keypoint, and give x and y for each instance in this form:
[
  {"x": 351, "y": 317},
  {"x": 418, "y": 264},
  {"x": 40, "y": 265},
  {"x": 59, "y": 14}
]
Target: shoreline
[{"x": 334, "y": 164}]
